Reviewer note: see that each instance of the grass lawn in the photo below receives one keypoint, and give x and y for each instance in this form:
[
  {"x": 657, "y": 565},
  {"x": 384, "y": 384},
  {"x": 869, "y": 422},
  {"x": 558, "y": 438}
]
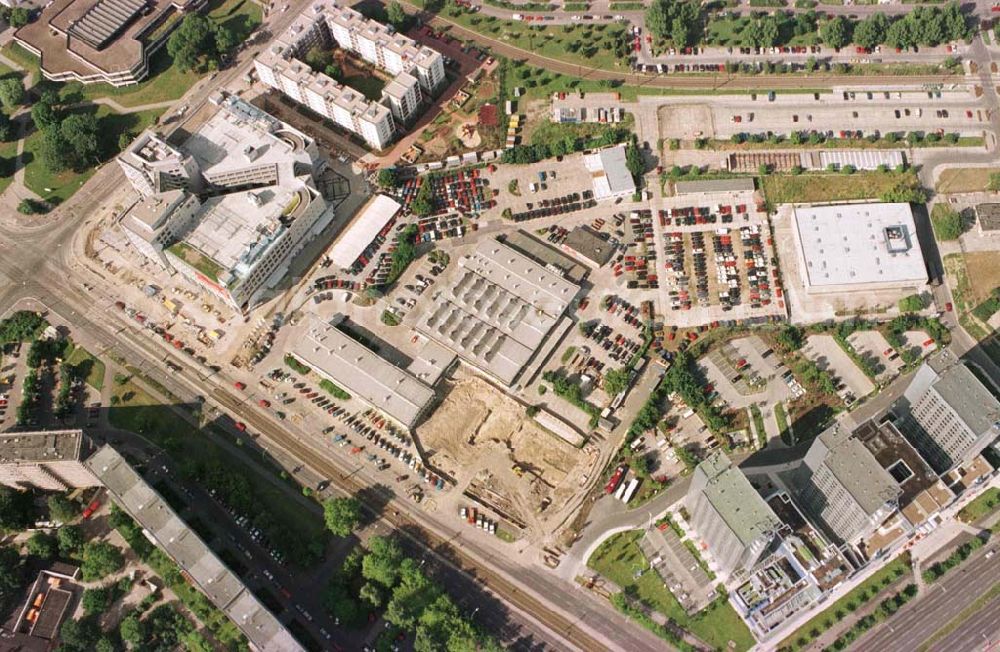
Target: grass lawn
[
  {"x": 964, "y": 180},
  {"x": 165, "y": 83},
  {"x": 800, "y": 638},
  {"x": 290, "y": 524},
  {"x": 95, "y": 367},
  {"x": 22, "y": 57},
  {"x": 619, "y": 558},
  {"x": 8, "y": 158},
  {"x": 56, "y": 188},
  {"x": 593, "y": 46},
  {"x": 368, "y": 85},
  {"x": 785, "y": 189},
  {"x": 984, "y": 505},
  {"x": 242, "y": 16}
]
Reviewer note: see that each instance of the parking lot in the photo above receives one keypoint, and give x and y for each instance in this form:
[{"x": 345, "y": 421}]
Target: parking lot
[
  {"x": 745, "y": 371},
  {"x": 827, "y": 354},
  {"x": 718, "y": 260},
  {"x": 873, "y": 346}
]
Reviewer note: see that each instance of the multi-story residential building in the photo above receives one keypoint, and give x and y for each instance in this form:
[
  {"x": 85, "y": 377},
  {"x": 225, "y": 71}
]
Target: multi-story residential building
[
  {"x": 48, "y": 460},
  {"x": 948, "y": 414},
  {"x": 418, "y": 70},
  {"x": 843, "y": 488},
  {"x": 728, "y": 514}
]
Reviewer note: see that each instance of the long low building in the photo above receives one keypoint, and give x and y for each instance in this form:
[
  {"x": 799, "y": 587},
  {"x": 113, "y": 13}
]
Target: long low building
[
  {"x": 160, "y": 523},
  {"x": 337, "y": 356},
  {"x": 498, "y": 310},
  {"x": 362, "y": 231}
]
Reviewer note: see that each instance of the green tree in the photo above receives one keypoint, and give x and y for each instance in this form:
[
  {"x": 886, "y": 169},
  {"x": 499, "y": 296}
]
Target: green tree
[
  {"x": 43, "y": 545},
  {"x": 192, "y": 43},
  {"x": 411, "y": 597},
  {"x": 95, "y": 600},
  {"x": 947, "y": 222},
  {"x": 11, "y": 92},
  {"x": 44, "y": 116},
  {"x": 338, "y": 601},
  {"x": 79, "y": 635},
  {"x": 70, "y": 539},
  {"x": 131, "y": 629},
  {"x": 382, "y": 562},
  {"x": 19, "y": 17},
  {"x": 372, "y": 593},
  {"x": 62, "y": 509},
  {"x": 900, "y": 35},
  {"x": 633, "y": 161},
  {"x": 397, "y": 17},
  {"x": 79, "y": 132},
  {"x": 615, "y": 381},
  {"x": 100, "y": 559},
  {"x": 11, "y": 574},
  {"x": 319, "y": 58},
  {"x": 911, "y": 303},
  {"x": 225, "y": 39},
  {"x": 16, "y": 509},
  {"x": 836, "y": 33},
  {"x": 422, "y": 205},
  {"x": 6, "y": 127},
  {"x": 342, "y": 515},
  {"x": 387, "y": 178},
  {"x": 871, "y": 31}
]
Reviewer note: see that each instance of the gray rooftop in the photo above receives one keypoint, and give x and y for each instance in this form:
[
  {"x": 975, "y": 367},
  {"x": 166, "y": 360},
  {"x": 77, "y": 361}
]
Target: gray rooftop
[
  {"x": 851, "y": 244},
  {"x": 989, "y": 216},
  {"x": 613, "y": 162},
  {"x": 746, "y": 514},
  {"x": 42, "y": 446},
  {"x": 856, "y": 469},
  {"x": 186, "y": 548},
  {"x": 741, "y": 184},
  {"x": 362, "y": 372},
  {"x": 970, "y": 399},
  {"x": 590, "y": 245}
]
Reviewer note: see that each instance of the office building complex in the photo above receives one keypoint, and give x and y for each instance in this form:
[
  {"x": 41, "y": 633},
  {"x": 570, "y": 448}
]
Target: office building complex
[
  {"x": 260, "y": 206},
  {"x": 843, "y": 488},
  {"x": 948, "y": 414},
  {"x": 729, "y": 515},
  {"x": 418, "y": 70}
]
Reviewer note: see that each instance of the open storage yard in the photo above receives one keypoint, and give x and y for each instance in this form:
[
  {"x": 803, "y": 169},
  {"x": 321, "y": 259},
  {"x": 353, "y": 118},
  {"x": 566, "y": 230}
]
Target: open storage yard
[{"x": 484, "y": 440}]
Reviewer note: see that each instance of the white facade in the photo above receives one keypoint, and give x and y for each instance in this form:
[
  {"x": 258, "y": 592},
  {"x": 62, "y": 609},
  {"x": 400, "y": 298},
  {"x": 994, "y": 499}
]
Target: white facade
[{"x": 419, "y": 70}]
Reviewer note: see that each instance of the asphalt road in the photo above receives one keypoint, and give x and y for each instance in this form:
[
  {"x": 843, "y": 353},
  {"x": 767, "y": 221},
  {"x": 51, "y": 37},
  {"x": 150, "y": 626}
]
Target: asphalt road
[
  {"x": 943, "y": 601},
  {"x": 980, "y": 632}
]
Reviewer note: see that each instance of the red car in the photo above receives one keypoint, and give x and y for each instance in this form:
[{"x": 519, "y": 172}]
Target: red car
[
  {"x": 242, "y": 427},
  {"x": 948, "y": 306},
  {"x": 264, "y": 403},
  {"x": 240, "y": 386}
]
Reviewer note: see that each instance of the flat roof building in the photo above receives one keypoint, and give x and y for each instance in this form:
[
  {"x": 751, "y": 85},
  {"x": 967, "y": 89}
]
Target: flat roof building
[
  {"x": 589, "y": 246},
  {"x": 101, "y": 41},
  {"x": 742, "y": 184},
  {"x": 418, "y": 70},
  {"x": 50, "y": 460},
  {"x": 261, "y": 206},
  {"x": 352, "y": 242},
  {"x": 168, "y": 531},
  {"x": 843, "y": 488},
  {"x": 497, "y": 309},
  {"x": 543, "y": 253},
  {"x": 728, "y": 514},
  {"x": 334, "y": 354},
  {"x": 947, "y": 413},
  {"x": 858, "y": 248},
  {"x": 609, "y": 173},
  {"x": 988, "y": 218}
]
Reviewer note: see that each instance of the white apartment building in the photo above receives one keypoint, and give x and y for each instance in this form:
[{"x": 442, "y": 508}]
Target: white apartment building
[
  {"x": 419, "y": 70},
  {"x": 154, "y": 222},
  {"x": 152, "y": 165}
]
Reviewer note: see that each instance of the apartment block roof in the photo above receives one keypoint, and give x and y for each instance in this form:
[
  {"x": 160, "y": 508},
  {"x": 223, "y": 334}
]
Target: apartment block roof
[{"x": 735, "y": 500}]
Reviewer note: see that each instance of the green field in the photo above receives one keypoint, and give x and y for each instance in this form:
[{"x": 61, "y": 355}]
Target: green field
[
  {"x": 368, "y": 85},
  {"x": 619, "y": 559},
  {"x": 785, "y": 188},
  {"x": 290, "y": 523},
  {"x": 58, "y": 187},
  {"x": 95, "y": 368},
  {"x": 984, "y": 505},
  {"x": 165, "y": 83}
]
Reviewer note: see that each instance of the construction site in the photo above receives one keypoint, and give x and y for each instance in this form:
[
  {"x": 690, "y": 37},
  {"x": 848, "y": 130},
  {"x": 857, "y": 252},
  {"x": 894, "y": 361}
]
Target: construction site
[{"x": 503, "y": 460}]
